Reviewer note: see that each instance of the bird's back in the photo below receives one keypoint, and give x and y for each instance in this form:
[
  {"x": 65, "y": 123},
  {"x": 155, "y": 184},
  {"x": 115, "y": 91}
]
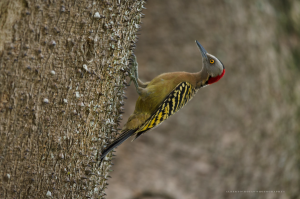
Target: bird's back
[
  {"x": 164, "y": 96},
  {"x": 159, "y": 89}
]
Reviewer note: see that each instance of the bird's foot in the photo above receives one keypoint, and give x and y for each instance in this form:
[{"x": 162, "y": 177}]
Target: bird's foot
[
  {"x": 133, "y": 67},
  {"x": 133, "y": 71}
]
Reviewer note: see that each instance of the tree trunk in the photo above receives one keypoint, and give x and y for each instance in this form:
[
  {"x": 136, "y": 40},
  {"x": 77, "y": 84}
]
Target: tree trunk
[{"x": 62, "y": 80}]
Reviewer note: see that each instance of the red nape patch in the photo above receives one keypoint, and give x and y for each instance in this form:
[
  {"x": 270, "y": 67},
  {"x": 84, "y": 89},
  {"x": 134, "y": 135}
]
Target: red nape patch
[{"x": 215, "y": 79}]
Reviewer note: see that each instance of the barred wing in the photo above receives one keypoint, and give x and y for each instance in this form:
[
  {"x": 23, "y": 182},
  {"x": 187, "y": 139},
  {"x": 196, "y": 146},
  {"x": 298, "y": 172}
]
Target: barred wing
[{"x": 182, "y": 93}]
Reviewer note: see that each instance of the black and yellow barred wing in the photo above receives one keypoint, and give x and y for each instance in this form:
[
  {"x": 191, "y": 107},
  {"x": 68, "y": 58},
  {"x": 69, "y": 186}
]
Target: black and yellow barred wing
[{"x": 182, "y": 93}]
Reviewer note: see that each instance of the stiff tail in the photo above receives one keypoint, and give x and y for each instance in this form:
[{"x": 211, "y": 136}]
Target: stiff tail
[{"x": 124, "y": 136}]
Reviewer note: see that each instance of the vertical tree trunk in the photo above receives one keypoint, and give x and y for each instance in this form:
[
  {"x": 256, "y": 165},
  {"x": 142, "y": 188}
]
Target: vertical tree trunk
[{"x": 62, "y": 73}]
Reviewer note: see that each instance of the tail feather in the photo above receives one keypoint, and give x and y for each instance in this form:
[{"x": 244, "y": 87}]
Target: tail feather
[{"x": 124, "y": 136}]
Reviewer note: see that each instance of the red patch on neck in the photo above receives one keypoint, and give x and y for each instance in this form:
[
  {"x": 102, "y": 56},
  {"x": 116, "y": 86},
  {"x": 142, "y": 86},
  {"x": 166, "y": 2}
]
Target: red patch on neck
[{"x": 212, "y": 80}]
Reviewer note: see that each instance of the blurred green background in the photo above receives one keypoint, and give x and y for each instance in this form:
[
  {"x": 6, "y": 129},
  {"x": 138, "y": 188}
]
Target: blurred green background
[{"x": 240, "y": 134}]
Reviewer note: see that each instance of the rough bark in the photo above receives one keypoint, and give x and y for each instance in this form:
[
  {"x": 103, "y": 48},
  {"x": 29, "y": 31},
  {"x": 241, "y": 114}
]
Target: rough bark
[{"x": 62, "y": 73}]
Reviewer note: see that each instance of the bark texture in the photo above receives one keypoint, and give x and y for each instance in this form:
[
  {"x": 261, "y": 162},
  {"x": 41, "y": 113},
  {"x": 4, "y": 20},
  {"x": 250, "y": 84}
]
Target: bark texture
[{"x": 62, "y": 73}]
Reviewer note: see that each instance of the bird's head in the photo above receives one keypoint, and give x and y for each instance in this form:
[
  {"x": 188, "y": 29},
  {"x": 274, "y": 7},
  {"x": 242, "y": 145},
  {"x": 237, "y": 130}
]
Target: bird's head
[{"x": 212, "y": 65}]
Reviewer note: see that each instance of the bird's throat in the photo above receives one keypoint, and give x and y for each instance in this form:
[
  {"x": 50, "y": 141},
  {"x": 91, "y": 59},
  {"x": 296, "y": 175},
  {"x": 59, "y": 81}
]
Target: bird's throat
[{"x": 212, "y": 80}]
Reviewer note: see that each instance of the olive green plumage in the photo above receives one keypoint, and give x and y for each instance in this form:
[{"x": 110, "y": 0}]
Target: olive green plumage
[
  {"x": 182, "y": 93},
  {"x": 164, "y": 96}
]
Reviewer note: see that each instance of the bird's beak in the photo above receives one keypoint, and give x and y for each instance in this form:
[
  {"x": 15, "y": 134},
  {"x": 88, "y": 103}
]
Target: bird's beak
[{"x": 202, "y": 50}]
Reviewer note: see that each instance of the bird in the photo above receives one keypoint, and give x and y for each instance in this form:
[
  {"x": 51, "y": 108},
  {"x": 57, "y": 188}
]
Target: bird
[{"x": 164, "y": 96}]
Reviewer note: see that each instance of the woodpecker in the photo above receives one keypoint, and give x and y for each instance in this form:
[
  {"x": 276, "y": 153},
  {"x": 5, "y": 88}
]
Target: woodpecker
[{"x": 164, "y": 96}]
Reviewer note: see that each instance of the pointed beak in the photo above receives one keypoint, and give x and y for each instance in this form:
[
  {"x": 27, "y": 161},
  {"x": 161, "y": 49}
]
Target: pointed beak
[{"x": 202, "y": 50}]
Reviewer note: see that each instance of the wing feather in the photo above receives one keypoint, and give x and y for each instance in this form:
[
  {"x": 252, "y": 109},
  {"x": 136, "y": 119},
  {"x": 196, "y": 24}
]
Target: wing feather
[{"x": 182, "y": 93}]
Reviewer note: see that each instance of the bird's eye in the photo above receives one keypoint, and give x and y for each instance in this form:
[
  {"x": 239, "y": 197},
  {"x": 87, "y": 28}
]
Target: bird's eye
[{"x": 211, "y": 61}]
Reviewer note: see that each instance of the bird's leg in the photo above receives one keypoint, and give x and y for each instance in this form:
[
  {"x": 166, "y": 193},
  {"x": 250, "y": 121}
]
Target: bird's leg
[{"x": 139, "y": 85}]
